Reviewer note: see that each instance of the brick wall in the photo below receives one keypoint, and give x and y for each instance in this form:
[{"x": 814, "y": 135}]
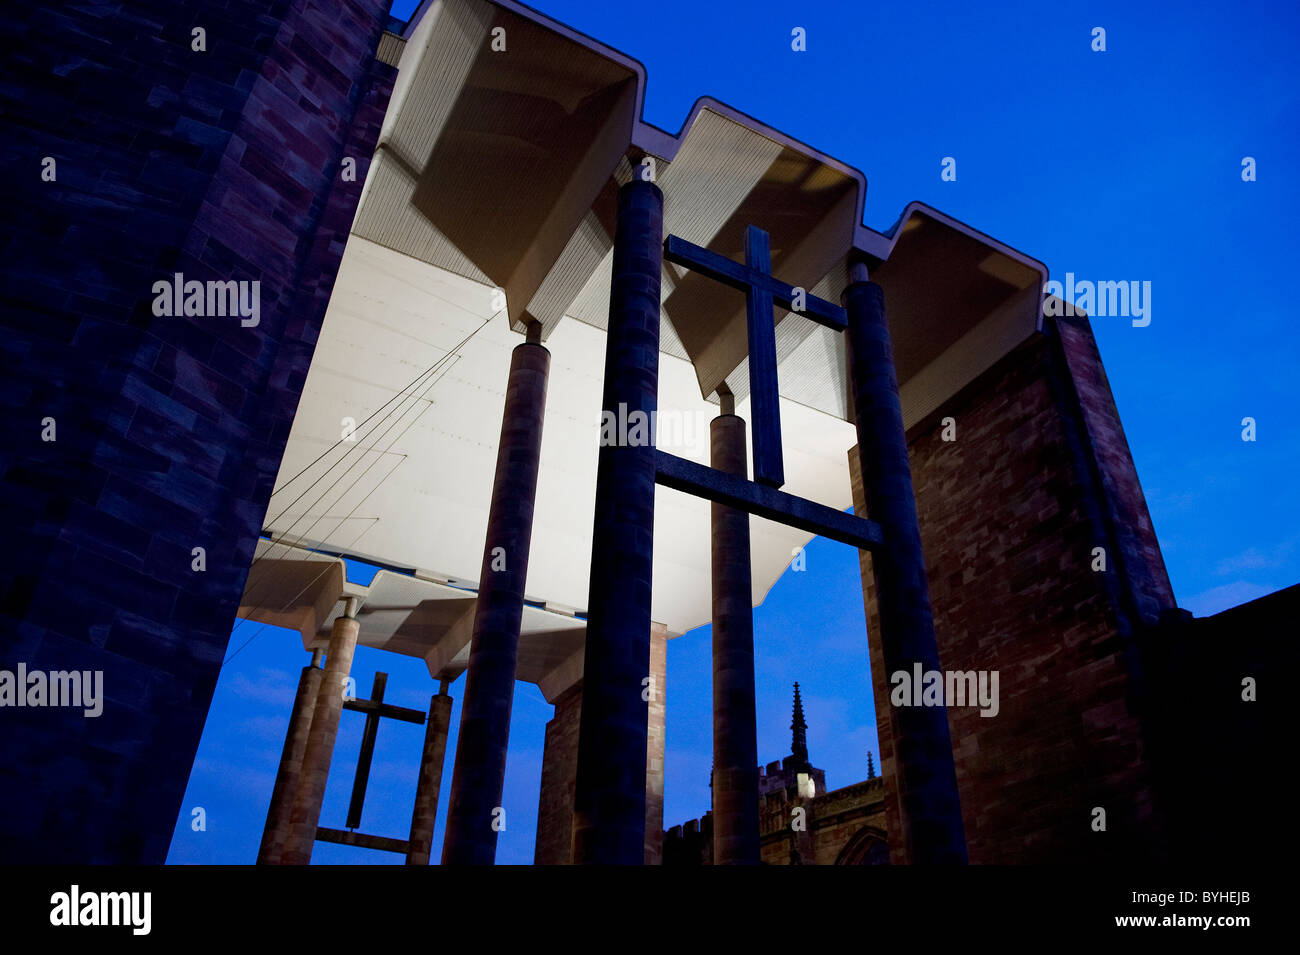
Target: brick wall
[
  {"x": 223, "y": 165},
  {"x": 1010, "y": 512}
]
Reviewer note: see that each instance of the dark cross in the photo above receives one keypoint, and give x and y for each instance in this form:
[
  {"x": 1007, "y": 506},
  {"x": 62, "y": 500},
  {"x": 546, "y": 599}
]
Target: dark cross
[
  {"x": 762, "y": 293},
  {"x": 375, "y": 709}
]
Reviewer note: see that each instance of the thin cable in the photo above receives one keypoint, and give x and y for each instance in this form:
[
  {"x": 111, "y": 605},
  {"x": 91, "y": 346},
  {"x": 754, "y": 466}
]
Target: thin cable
[
  {"x": 286, "y": 539},
  {"x": 454, "y": 352},
  {"x": 289, "y": 545},
  {"x": 395, "y": 396}
]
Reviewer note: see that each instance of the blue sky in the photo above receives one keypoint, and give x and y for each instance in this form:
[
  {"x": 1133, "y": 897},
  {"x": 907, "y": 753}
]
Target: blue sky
[{"x": 1117, "y": 165}]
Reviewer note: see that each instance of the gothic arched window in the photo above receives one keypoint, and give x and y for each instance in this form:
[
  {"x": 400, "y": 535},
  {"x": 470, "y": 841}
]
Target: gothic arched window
[{"x": 867, "y": 846}]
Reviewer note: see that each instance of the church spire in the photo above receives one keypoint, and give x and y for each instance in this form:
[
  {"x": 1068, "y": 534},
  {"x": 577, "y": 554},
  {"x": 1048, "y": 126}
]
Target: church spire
[{"x": 799, "y": 743}]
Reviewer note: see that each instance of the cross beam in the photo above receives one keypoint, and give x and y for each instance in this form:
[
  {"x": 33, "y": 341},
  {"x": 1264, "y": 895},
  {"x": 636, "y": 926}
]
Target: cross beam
[
  {"x": 362, "y": 840},
  {"x": 762, "y": 292},
  {"x": 734, "y": 491},
  {"x": 385, "y": 710},
  {"x": 743, "y": 277}
]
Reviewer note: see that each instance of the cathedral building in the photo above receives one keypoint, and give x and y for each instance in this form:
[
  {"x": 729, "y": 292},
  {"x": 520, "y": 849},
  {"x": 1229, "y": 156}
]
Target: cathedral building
[{"x": 801, "y": 822}]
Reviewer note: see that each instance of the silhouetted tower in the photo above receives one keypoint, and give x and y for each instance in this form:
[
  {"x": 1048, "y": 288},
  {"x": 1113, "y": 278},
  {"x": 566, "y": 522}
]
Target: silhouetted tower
[
  {"x": 871, "y": 766},
  {"x": 799, "y": 743},
  {"x": 784, "y": 774}
]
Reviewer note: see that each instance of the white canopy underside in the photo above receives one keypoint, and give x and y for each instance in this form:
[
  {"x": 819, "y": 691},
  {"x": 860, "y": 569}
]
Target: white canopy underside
[{"x": 414, "y": 487}]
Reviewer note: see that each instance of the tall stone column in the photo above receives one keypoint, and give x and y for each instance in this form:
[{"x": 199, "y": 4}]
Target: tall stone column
[
  {"x": 295, "y": 746},
  {"x": 305, "y": 815},
  {"x": 655, "y": 743},
  {"x": 429, "y": 786},
  {"x": 735, "y": 737},
  {"x": 609, "y": 796},
  {"x": 554, "y": 844},
  {"x": 479, "y": 773},
  {"x": 927, "y": 780}
]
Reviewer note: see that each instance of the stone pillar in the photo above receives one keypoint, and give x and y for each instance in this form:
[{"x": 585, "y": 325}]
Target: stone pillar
[
  {"x": 286, "y": 780},
  {"x": 560, "y": 767},
  {"x": 927, "y": 781},
  {"x": 429, "y": 786},
  {"x": 654, "y": 755},
  {"x": 305, "y": 815},
  {"x": 480, "y": 767},
  {"x": 735, "y": 737},
  {"x": 554, "y": 844},
  {"x": 609, "y": 799}
]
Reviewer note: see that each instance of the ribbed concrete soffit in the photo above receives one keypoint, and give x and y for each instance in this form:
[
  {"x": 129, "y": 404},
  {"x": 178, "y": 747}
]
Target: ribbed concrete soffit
[
  {"x": 504, "y": 146},
  {"x": 497, "y": 149}
]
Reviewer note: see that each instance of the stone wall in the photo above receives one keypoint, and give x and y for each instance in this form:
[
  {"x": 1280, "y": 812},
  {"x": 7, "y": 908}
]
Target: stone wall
[
  {"x": 559, "y": 773},
  {"x": 221, "y": 164},
  {"x": 1010, "y": 513},
  {"x": 843, "y": 827},
  {"x": 655, "y": 746},
  {"x": 554, "y": 844}
]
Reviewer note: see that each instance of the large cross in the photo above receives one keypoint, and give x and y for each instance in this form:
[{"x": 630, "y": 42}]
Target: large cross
[{"x": 763, "y": 292}]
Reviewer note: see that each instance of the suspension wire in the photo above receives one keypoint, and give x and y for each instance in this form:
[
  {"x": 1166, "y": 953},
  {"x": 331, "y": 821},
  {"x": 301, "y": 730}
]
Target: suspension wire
[
  {"x": 355, "y": 444},
  {"x": 453, "y": 350},
  {"x": 307, "y": 510},
  {"x": 345, "y": 518},
  {"x": 286, "y": 541},
  {"x": 288, "y": 533},
  {"x": 434, "y": 368}
]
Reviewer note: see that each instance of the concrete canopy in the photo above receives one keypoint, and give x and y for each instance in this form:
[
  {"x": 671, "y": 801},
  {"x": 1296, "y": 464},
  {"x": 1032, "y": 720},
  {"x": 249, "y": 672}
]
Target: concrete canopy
[
  {"x": 302, "y": 589},
  {"x": 502, "y": 165},
  {"x": 414, "y": 357},
  {"x": 497, "y": 170}
]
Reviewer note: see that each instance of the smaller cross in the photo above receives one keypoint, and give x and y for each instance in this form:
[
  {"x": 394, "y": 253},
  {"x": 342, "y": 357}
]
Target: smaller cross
[
  {"x": 763, "y": 292},
  {"x": 375, "y": 709}
]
